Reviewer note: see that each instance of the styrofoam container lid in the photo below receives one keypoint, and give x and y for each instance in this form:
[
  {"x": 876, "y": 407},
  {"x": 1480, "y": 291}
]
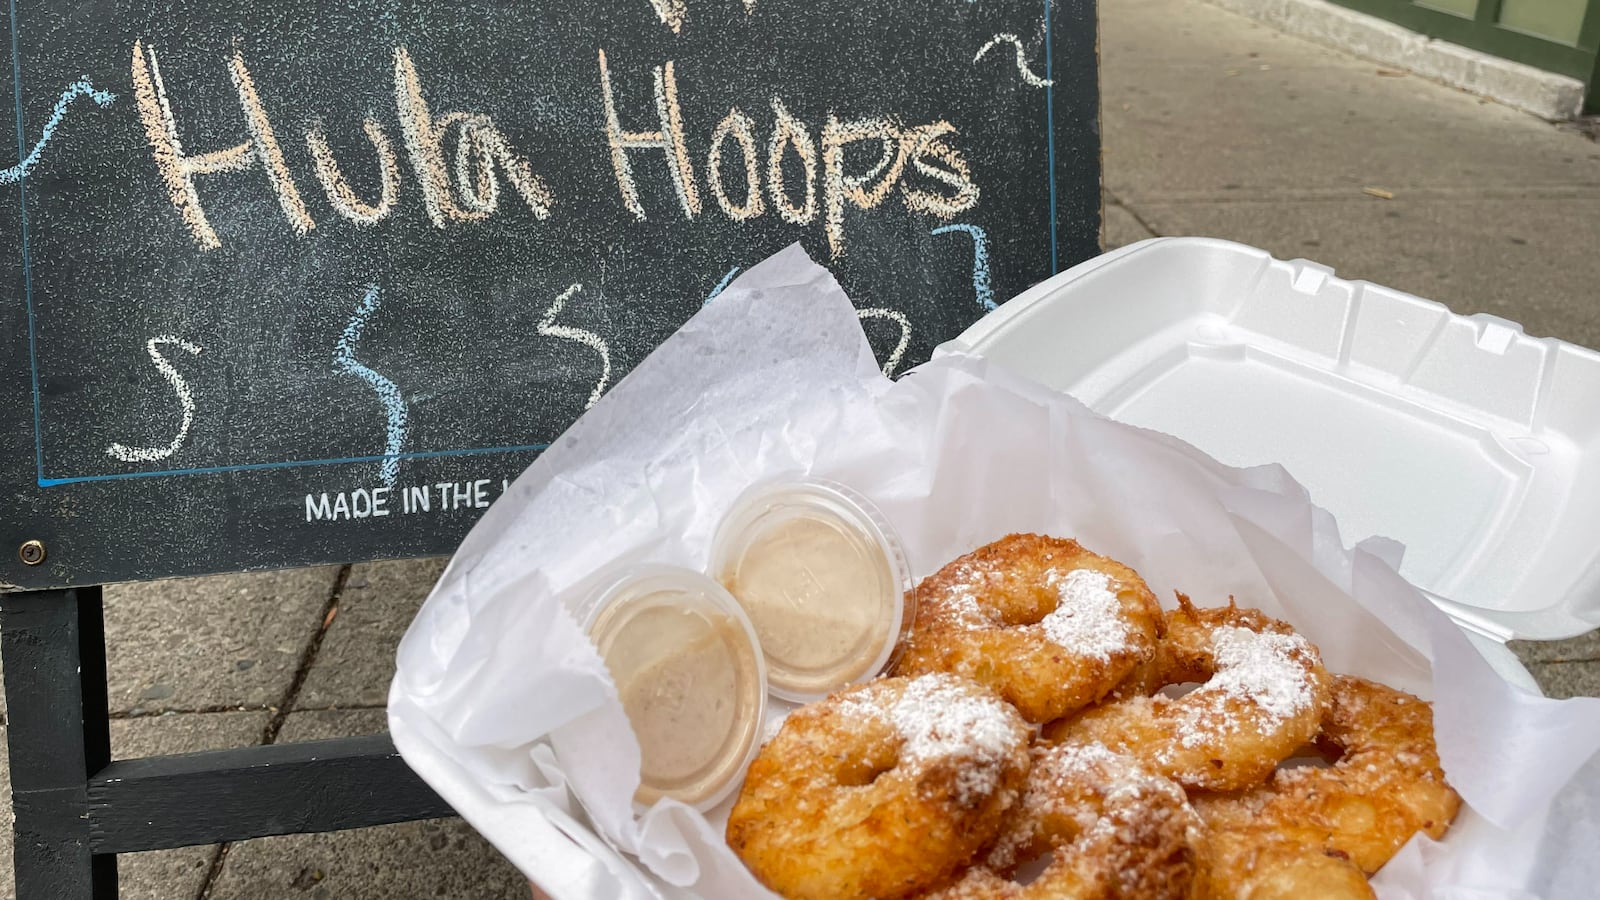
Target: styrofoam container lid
[{"x": 1476, "y": 446}]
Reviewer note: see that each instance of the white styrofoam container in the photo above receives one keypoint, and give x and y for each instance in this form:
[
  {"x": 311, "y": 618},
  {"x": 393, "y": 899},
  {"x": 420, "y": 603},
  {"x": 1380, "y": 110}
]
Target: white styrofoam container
[{"x": 1474, "y": 445}]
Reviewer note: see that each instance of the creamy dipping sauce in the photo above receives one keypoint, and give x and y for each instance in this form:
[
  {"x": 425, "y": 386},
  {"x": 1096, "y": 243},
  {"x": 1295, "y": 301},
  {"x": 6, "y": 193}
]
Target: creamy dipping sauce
[
  {"x": 815, "y": 579},
  {"x": 689, "y": 680},
  {"x": 816, "y": 593}
]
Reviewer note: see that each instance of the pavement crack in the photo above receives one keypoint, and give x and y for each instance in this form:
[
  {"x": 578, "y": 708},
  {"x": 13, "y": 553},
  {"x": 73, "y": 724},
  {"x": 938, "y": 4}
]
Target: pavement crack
[
  {"x": 144, "y": 713},
  {"x": 1137, "y": 216},
  {"x": 343, "y": 707},
  {"x": 308, "y": 658},
  {"x": 213, "y": 873},
  {"x": 280, "y": 713}
]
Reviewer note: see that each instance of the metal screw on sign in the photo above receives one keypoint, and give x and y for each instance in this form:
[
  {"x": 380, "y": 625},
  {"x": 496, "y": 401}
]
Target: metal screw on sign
[{"x": 31, "y": 553}]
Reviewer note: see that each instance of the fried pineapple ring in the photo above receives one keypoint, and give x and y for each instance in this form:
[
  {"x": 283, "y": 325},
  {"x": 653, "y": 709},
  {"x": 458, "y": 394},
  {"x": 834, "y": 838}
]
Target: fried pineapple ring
[
  {"x": 1263, "y": 695},
  {"x": 1044, "y": 623},
  {"x": 880, "y": 791},
  {"x": 1256, "y": 864},
  {"x": 1384, "y": 786},
  {"x": 1111, "y": 827}
]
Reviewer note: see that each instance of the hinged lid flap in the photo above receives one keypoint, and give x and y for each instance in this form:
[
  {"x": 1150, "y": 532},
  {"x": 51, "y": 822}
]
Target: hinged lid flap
[{"x": 1473, "y": 444}]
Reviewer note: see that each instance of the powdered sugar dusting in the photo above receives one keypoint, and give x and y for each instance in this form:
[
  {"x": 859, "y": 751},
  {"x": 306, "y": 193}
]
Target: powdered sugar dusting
[
  {"x": 963, "y": 582},
  {"x": 938, "y": 717},
  {"x": 963, "y": 603},
  {"x": 1109, "y": 799},
  {"x": 1265, "y": 668},
  {"x": 1088, "y": 619}
]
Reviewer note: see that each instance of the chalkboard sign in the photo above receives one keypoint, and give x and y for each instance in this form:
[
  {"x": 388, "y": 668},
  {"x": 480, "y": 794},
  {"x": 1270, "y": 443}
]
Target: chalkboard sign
[{"x": 308, "y": 281}]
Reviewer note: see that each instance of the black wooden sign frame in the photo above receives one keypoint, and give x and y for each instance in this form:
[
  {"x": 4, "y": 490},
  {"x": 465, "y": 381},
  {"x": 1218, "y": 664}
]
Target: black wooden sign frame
[{"x": 77, "y": 808}]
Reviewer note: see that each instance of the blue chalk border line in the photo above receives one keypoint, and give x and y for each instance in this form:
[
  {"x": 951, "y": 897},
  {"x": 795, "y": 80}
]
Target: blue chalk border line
[{"x": 33, "y": 347}]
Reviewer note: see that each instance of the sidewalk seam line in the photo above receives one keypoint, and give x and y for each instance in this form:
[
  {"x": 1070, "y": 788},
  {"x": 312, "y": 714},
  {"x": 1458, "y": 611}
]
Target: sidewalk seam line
[
  {"x": 1137, "y": 217},
  {"x": 126, "y": 715},
  {"x": 1574, "y": 193}
]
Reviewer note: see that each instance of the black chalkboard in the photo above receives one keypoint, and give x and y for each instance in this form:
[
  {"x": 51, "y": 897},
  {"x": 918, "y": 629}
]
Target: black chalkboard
[{"x": 307, "y": 281}]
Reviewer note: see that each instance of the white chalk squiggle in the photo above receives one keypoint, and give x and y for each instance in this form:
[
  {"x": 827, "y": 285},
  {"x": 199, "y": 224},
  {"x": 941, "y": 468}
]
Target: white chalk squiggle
[
  {"x": 1022, "y": 59},
  {"x": 548, "y": 327},
  {"x": 899, "y": 318},
  {"x": 185, "y": 400}
]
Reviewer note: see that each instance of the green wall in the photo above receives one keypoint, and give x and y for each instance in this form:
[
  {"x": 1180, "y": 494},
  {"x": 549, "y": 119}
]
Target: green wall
[{"x": 1556, "y": 35}]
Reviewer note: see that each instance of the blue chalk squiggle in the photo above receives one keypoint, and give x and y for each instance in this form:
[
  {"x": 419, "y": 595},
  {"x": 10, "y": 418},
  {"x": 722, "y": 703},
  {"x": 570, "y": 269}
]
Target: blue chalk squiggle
[
  {"x": 982, "y": 289},
  {"x": 79, "y": 88},
  {"x": 721, "y": 285},
  {"x": 344, "y": 360}
]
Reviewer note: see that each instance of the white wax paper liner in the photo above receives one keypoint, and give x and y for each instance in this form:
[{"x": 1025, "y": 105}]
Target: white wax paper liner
[{"x": 503, "y": 706}]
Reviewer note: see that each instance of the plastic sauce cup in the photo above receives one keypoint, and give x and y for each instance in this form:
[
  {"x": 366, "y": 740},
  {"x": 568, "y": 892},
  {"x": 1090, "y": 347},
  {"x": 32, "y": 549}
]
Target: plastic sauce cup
[
  {"x": 690, "y": 675},
  {"x": 823, "y": 579}
]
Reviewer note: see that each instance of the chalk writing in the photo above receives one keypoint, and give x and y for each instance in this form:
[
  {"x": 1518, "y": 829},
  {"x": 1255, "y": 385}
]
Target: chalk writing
[
  {"x": 926, "y": 148},
  {"x": 480, "y": 149},
  {"x": 80, "y": 88},
  {"x": 340, "y": 195},
  {"x": 478, "y": 141},
  {"x": 483, "y": 156},
  {"x": 470, "y": 189},
  {"x": 982, "y": 289},
  {"x": 589, "y": 339},
  {"x": 1022, "y": 59},
  {"x": 742, "y": 129},
  {"x": 673, "y": 12},
  {"x": 466, "y": 186},
  {"x": 669, "y": 140},
  {"x": 840, "y": 186},
  {"x": 185, "y": 402},
  {"x": 177, "y": 168},
  {"x": 265, "y": 144},
  {"x": 787, "y": 132},
  {"x": 394, "y": 406},
  {"x": 422, "y": 142},
  {"x": 899, "y": 318},
  {"x": 415, "y": 498},
  {"x": 931, "y": 148}
]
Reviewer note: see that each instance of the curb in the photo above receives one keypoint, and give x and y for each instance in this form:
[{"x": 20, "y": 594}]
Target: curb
[{"x": 1544, "y": 94}]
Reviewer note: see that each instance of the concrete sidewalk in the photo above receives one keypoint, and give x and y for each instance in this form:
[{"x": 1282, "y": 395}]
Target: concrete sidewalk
[{"x": 1213, "y": 125}]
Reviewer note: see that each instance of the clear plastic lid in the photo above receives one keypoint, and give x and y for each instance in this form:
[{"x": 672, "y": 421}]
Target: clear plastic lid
[
  {"x": 823, "y": 579},
  {"x": 691, "y": 678}
]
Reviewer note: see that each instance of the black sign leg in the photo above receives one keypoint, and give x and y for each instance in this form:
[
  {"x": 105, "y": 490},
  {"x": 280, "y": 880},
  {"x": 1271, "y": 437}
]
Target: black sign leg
[{"x": 59, "y": 734}]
